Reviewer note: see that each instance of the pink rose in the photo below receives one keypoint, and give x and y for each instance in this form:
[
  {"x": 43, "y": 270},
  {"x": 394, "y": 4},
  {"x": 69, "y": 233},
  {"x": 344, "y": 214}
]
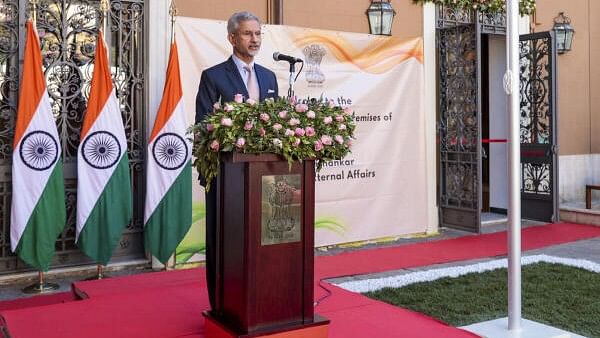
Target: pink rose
[
  {"x": 294, "y": 122},
  {"x": 342, "y": 127},
  {"x": 251, "y": 102},
  {"x": 240, "y": 142},
  {"x": 216, "y": 106},
  {"x": 228, "y": 107},
  {"x": 292, "y": 100},
  {"x": 318, "y": 146},
  {"x": 331, "y": 103},
  {"x": 339, "y": 118},
  {"x": 210, "y": 127},
  {"x": 296, "y": 142},
  {"x": 327, "y": 119},
  {"x": 248, "y": 125},
  {"x": 310, "y": 131},
  {"x": 347, "y": 111},
  {"x": 238, "y": 98},
  {"x": 214, "y": 146},
  {"x": 311, "y": 114},
  {"x": 349, "y": 142},
  {"x": 262, "y": 132},
  {"x": 299, "y": 132},
  {"x": 227, "y": 122},
  {"x": 289, "y": 132},
  {"x": 326, "y": 140},
  {"x": 264, "y": 117},
  {"x": 301, "y": 108},
  {"x": 283, "y": 114},
  {"x": 339, "y": 139},
  {"x": 277, "y": 126}
]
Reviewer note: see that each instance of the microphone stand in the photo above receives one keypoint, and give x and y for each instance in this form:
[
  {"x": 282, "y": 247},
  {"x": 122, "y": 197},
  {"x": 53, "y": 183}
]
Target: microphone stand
[{"x": 291, "y": 81}]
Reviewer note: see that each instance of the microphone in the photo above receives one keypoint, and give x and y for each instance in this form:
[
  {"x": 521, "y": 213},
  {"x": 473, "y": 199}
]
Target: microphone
[{"x": 282, "y": 57}]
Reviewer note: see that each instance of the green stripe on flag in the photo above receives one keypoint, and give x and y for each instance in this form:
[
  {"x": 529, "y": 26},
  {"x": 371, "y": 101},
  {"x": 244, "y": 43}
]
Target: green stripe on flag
[
  {"x": 47, "y": 221},
  {"x": 171, "y": 219},
  {"x": 112, "y": 212}
]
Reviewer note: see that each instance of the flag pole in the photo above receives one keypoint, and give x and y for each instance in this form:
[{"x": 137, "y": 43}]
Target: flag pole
[
  {"x": 34, "y": 11},
  {"x": 41, "y": 286},
  {"x": 511, "y": 83},
  {"x": 104, "y": 7},
  {"x": 173, "y": 13}
]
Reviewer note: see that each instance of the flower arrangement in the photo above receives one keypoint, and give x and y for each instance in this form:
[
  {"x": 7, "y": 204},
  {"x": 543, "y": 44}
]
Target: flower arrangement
[
  {"x": 317, "y": 130},
  {"x": 526, "y": 7}
]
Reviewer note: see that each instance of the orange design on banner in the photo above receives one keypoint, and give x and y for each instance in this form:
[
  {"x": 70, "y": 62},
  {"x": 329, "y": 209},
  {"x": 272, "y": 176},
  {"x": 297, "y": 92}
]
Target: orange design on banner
[{"x": 378, "y": 57}]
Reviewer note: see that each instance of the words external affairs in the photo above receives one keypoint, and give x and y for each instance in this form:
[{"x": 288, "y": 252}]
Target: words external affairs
[{"x": 343, "y": 174}]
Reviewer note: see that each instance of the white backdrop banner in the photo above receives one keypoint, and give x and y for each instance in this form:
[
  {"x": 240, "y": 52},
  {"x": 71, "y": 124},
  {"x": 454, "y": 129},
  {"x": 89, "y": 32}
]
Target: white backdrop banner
[{"x": 380, "y": 189}]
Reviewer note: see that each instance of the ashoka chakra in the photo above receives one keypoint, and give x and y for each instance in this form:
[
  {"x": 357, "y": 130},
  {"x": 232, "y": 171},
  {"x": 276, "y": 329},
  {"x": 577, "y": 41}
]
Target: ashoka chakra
[
  {"x": 170, "y": 151},
  {"x": 101, "y": 150}
]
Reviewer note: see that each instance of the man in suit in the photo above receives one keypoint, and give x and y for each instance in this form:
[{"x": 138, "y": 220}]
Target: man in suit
[{"x": 237, "y": 75}]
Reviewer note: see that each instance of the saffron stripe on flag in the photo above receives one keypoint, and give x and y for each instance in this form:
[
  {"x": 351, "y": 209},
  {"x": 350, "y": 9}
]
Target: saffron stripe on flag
[
  {"x": 172, "y": 94},
  {"x": 31, "y": 94},
  {"x": 103, "y": 87}
]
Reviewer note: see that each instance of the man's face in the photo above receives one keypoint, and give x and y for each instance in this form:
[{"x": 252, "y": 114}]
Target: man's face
[{"x": 246, "y": 40}]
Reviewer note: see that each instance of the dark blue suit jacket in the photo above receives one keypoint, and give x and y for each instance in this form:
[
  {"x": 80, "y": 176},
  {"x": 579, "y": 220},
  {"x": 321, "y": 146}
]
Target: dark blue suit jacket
[{"x": 221, "y": 82}]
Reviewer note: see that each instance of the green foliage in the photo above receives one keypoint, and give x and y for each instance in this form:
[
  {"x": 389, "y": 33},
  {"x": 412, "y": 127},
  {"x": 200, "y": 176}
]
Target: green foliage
[
  {"x": 558, "y": 295},
  {"x": 526, "y": 7},
  {"x": 317, "y": 130}
]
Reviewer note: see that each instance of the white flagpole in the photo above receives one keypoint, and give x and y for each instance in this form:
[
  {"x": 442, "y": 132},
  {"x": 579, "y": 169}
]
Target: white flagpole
[{"x": 514, "y": 171}]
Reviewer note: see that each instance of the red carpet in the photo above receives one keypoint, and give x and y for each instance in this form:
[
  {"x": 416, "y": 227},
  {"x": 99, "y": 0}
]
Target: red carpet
[
  {"x": 445, "y": 251},
  {"x": 135, "y": 283},
  {"x": 169, "y": 304},
  {"x": 21, "y": 303}
]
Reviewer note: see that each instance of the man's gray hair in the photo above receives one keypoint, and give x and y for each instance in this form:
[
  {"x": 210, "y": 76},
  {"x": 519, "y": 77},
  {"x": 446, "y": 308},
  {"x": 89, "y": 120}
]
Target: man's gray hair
[{"x": 234, "y": 21}]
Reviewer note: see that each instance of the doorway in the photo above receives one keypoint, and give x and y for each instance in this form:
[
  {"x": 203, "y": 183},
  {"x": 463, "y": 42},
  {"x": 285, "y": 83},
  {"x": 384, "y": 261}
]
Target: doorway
[
  {"x": 473, "y": 121},
  {"x": 494, "y": 133}
]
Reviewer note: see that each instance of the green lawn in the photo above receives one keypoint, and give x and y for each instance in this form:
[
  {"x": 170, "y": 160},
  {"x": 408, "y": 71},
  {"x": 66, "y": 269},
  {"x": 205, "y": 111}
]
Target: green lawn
[{"x": 558, "y": 295}]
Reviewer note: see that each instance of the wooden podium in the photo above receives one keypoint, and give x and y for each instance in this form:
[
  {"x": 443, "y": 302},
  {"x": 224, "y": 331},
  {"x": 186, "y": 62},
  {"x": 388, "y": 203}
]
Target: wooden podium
[{"x": 265, "y": 257}]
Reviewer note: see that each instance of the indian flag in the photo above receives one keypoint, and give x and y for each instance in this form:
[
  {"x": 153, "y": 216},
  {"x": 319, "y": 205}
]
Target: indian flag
[
  {"x": 104, "y": 205},
  {"x": 38, "y": 199},
  {"x": 168, "y": 212}
]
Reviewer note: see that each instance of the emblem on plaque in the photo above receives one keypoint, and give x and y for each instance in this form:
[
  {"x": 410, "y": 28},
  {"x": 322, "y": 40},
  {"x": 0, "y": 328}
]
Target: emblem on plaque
[
  {"x": 281, "y": 209},
  {"x": 314, "y": 55}
]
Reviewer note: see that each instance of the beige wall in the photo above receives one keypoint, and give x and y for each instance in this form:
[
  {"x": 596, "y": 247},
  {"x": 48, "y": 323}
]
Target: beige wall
[
  {"x": 350, "y": 16},
  {"x": 578, "y": 75},
  {"x": 341, "y": 15},
  {"x": 219, "y": 9}
]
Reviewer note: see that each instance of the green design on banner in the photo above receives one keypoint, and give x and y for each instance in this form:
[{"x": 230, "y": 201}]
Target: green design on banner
[
  {"x": 330, "y": 224},
  {"x": 194, "y": 241}
]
